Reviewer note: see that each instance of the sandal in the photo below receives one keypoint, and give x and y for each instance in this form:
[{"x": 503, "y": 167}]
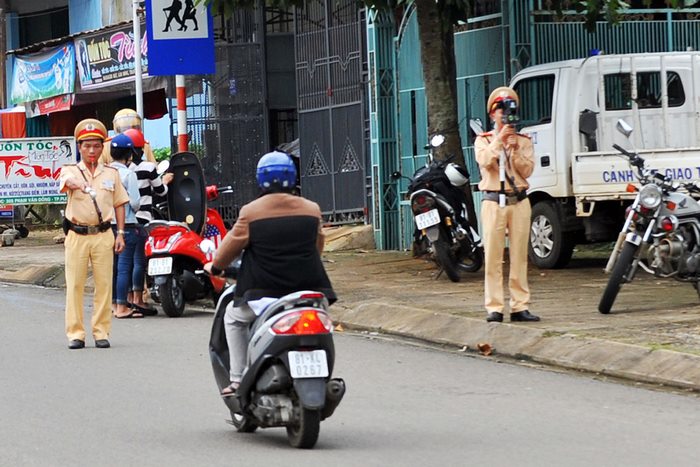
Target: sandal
[
  {"x": 145, "y": 311},
  {"x": 230, "y": 390},
  {"x": 132, "y": 315}
]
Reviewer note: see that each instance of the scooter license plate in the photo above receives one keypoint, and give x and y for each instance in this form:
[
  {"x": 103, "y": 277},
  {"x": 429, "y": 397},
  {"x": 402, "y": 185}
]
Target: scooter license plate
[
  {"x": 310, "y": 364},
  {"x": 160, "y": 266},
  {"x": 427, "y": 219}
]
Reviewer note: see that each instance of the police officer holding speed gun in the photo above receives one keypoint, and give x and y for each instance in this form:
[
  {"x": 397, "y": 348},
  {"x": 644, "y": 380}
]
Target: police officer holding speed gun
[{"x": 506, "y": 160}]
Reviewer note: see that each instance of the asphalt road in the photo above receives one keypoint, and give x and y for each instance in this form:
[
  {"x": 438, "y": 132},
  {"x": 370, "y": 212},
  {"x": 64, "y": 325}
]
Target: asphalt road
[{"x": 151, "y": 400}]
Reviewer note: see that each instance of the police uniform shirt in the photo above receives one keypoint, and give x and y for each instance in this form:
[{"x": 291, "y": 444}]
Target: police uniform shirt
[
  {"x": 519, "y": 165},
  {"x": 107, "y": 185}
]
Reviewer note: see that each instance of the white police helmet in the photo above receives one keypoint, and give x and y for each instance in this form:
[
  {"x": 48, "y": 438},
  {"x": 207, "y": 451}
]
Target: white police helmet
[{"x": 458, "y": 175}]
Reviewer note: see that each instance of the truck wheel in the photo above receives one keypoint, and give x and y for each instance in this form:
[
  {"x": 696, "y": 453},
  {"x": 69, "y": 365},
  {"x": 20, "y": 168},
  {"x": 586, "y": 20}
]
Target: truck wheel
[
  {"x": 550, "y": 247},
  {"x": 617, "y": 277}
]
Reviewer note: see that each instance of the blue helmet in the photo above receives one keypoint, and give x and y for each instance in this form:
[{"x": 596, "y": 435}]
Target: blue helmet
[
  {"x": 276, "y": 168},
  {"x": 121, "y": 141}
]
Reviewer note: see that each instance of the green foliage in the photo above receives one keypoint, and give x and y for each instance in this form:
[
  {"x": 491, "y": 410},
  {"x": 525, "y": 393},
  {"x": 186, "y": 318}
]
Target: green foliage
[{"x": 161, "y": 154}]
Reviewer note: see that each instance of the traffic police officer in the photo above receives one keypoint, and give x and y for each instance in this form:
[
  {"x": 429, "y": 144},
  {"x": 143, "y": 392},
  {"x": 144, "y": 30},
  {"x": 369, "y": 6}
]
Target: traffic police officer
[
  {"x": 95, "y": 197},
  {"x": 123, "y": 120},
  {"x": 505, "y": 207}
]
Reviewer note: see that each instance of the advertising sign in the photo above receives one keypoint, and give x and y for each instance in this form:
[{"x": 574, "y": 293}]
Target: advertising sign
[
  {"x": 50, "y": 105},
  {"x": 6, "y": 212},
  {"x": 107, "y": 57},
  {"x": 43, "y": 75},
  {"x": 30, "y": 169},
  {"x": 181, "y": 37}
]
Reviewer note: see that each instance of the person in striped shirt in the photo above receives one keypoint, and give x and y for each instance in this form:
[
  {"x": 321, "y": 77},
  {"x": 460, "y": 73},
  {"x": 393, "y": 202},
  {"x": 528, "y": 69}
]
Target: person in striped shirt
[{"x": 150, "y": 184}]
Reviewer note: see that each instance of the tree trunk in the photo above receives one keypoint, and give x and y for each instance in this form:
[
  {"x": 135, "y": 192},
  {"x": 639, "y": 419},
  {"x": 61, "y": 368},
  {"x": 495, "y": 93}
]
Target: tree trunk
[{"x": 436, "y": 34}]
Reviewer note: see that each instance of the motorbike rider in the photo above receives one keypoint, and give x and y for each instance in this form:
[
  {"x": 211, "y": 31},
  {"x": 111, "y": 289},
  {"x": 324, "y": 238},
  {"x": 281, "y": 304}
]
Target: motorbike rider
[{"x": 281, "y": 238}]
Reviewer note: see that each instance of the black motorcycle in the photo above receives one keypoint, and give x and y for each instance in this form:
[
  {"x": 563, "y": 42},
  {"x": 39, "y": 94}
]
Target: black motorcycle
[
  {"x": 440, "y": 213},
  {"x": 661, "y": 233},
  {"x": 287, "y": 381}
]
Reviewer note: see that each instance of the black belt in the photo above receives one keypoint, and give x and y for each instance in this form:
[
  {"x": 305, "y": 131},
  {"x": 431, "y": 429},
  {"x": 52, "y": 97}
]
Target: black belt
[
  {"x": 88, "y": 229},
  {"x": 511, "y": 198}
]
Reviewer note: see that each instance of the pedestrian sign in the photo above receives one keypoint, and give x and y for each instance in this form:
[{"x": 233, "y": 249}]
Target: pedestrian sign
[{"x": 180, "y": 38}]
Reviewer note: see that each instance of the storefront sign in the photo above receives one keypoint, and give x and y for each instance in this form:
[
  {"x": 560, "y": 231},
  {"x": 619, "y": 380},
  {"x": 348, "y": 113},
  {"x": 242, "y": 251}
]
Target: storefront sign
[
  {"x": 30, "y": 169},
  {"x": 43, "y": 75},
  {"x": 181, "y": 35},
  {"x": 107, "y": 57},
  {"x": 50, "y": 105},
  {"x": 6, "y": 212}
]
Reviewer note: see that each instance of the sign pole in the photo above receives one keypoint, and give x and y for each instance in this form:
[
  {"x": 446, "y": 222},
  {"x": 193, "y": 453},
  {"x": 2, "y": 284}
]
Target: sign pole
[
  {"x": 181, "y": 94},
  {"x": 137, "y": 58}
]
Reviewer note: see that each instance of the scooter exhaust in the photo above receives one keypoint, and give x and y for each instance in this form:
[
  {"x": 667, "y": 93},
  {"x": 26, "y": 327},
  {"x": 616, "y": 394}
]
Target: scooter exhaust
[{"x": 335, "y": 390}]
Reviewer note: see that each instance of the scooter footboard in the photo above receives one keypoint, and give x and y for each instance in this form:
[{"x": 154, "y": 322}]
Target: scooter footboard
[{"x": 311, "y": 392}]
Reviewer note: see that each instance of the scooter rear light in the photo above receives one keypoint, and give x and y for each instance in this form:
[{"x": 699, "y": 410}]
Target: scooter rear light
[
  {"x": 303, "y": 322},
  {"x": 317, "y": 295}
]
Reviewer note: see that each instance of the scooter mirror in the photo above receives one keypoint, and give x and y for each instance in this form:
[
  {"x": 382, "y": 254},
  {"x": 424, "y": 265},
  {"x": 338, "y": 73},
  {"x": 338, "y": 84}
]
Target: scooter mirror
[
  {"x": 162, "y": 167},
  {"x": 207, "y": 246},
  {"x": 437, "y": 140},
  {"x": 396, "y": 175},
  {"x": 624, "y": 128}
]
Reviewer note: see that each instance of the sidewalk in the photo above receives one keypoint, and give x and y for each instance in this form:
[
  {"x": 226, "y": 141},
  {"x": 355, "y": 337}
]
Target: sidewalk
[{"x": 652, "y": 335}]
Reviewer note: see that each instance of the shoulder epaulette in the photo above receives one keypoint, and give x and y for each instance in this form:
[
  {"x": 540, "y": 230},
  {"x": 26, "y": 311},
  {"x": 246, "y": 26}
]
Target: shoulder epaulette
[{"x": 524, "y": 135}]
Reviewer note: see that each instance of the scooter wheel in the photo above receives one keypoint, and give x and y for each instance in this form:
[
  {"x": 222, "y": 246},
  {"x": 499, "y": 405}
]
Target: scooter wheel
[
  {"x": 172, "y": 297},
  {"x": 304, "y": 434}
]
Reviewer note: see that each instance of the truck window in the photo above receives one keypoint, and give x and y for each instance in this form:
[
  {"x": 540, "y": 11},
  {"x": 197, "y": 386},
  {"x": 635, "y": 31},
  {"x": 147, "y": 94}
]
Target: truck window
[
  {"x": 618, "y": 90},
  {"x": 536, "y": 98},
  {"x": 649, "y": 90}
]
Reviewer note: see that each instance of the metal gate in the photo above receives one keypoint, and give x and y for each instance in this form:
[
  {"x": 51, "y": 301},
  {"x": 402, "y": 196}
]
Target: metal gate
[
  {"x": 227, "y": 120},
  {"x": 329, "y": 50}
]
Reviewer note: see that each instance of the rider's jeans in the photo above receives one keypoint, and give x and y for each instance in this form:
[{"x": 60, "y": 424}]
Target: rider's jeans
[{"x": 236, "y": 321}]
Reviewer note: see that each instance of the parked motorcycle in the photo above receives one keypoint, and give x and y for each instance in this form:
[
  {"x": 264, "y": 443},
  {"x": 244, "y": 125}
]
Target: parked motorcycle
[
  {"x": 173, "y": 250},
  {"x": 287, "y": 381},
  {"x": 440, "y": 213},
  {"x": 661, "y": 233}
]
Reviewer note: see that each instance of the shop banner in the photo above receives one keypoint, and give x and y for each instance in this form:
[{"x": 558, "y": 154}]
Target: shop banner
[
  {"x": 107, "y": 57},
  {"x": 50, "y": 105},
  {"x": 43, "y": 75},
  {"x": 30, "y": 169}
]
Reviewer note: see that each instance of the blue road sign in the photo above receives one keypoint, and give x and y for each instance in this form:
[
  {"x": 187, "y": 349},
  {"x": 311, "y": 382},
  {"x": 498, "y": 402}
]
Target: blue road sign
[{"x": 180, "y": 38}]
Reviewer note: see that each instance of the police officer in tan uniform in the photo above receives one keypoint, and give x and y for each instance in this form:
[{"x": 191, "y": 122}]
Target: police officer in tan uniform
[
  {"x": 95, "y": 197},
  {"x": 123, "y": 120},
  {"x": 505, "y": 209}
]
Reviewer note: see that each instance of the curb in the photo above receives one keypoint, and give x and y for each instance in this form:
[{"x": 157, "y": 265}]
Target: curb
[{"x": 569, "y": 351}]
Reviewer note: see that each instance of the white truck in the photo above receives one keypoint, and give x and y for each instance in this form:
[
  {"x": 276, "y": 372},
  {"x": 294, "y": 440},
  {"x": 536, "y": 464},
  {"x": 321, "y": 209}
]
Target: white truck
[{"x": 570, "y": 108}]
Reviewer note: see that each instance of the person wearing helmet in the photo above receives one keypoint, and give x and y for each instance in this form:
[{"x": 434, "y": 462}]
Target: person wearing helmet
[
  {"x": 504, "y": 144},
  {"x": 283, "y": 239},
  {"x": 124, "y": 120},
  {"x": 149, "y": 184},
  {"x": 96, "y": 197},
  {"x": 122, "y": 150}
]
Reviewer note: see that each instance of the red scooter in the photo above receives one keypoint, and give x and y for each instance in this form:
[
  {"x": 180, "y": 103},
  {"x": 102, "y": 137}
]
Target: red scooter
[{"x": 173, "y": 250}]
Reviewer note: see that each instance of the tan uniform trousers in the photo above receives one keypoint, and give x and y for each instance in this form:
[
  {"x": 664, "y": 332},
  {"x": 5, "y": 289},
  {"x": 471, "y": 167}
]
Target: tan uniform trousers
[
  {"x": 515, "y": 219},
  {"x": 81, "y": 250}
]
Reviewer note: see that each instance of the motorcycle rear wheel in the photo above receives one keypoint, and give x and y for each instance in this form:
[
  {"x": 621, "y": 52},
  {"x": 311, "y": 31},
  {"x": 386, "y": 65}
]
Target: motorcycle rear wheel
[
  {"x": 474, "y": 262},
  {"x": 617, "y": 277},
  {"x": 242, "y": 423},
  {"x": 446, "y": 259},
  {"x": 172, "y": 297},
  {"x": 305, "y": 434}
]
